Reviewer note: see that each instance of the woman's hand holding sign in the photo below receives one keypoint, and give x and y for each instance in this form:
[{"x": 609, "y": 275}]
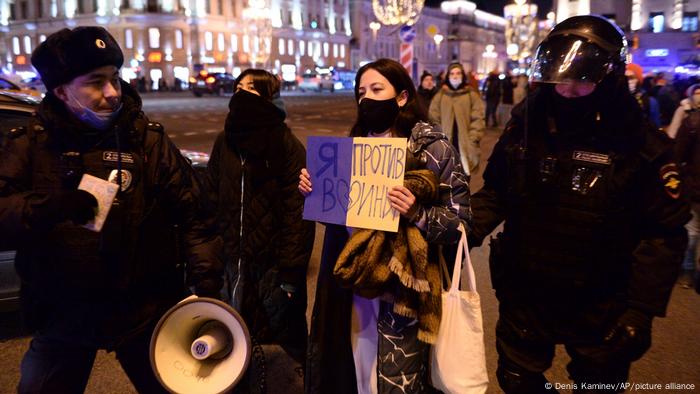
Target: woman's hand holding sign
[
  {"x": 304, "y": 182},
  {"x": 403, "y": 201}
]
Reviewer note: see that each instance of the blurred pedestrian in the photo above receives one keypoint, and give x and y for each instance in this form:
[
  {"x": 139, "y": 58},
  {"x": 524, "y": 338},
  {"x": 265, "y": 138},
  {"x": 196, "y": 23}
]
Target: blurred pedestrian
[
  {"x": 362, "y": 345},
  {"x": 521, "y": 88},
  {"x": 253, "y": 173},
  {"x": 593, "y": 217},
  {"x": 426, "y": 90},
  {"x": 688, "y": 155},
  {"x": 687, "y": 105},
  {"x": 506, "y": 99},
  {"x": 459, "y": 111},
  {"x": 649, "y": 105},
  {"x": 669, "y": 99},
  {"x": 492, "y": 95},
  {"x": 85, "y": 290}
]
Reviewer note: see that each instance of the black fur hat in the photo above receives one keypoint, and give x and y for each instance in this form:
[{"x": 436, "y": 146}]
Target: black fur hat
[{"x": 67, "y": 54}]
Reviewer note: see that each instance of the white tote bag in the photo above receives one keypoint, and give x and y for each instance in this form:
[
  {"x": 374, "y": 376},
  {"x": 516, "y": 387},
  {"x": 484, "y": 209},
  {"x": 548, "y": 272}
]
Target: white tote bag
[{"x": 458, "y": 361}]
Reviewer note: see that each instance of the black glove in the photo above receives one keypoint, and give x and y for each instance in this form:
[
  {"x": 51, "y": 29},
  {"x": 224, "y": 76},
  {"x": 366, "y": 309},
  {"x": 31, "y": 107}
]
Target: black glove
[
  {"x": 77, "y": 206},
  {"x": 630, "y": 338}
]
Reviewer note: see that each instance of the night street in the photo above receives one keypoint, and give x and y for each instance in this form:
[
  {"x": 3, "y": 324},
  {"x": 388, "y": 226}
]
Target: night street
[{"x": 193, "y": 123}]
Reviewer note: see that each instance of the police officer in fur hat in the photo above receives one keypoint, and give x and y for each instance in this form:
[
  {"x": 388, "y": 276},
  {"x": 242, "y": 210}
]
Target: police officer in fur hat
[
  {"x": 84, "y": 290},
  {"x": 594, "y": 213}
]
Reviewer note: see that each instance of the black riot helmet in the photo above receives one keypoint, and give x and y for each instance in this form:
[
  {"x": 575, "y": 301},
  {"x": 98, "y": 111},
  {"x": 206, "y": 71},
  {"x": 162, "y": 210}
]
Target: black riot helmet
[{"x": 582, "y": 48}]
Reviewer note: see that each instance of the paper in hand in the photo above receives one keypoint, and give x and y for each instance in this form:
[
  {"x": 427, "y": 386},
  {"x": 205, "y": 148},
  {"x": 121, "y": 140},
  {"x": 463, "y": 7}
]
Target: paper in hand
[{"x": 104, "y": 192}]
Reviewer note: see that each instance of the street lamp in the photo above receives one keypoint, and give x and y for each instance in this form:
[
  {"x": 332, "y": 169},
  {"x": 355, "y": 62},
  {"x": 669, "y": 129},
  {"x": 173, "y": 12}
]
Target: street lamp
[
  {"x": 258, "y": 28},
  {"x": 374, "y": 26},
  {"x": 397, "y": 12},
  {"x": 438, "y": 39}
]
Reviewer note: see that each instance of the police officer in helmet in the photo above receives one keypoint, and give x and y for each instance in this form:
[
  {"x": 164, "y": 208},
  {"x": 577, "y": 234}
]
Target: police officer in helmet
[
  {"x": 84, "y": 290},
  {"x": 593, "y": 216}
]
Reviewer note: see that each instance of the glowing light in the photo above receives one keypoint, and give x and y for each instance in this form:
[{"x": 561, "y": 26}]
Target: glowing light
[
  {"x": 570, "y": 56},
  {"x": 397, "y": 12}
]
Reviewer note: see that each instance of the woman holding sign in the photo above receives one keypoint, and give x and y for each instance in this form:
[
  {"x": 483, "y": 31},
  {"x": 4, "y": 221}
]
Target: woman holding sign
[
  {"x": 359, "y": 345},
  {"x": 252, "y": 176}
]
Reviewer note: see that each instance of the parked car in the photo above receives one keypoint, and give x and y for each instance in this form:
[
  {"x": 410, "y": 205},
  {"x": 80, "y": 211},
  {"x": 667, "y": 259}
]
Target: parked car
[
  {"x": 211, "y": 83},
  {"x": 317, "y": 82},
  {"x": 15, "y": 110},
  {"x": 7, "y": 85}
]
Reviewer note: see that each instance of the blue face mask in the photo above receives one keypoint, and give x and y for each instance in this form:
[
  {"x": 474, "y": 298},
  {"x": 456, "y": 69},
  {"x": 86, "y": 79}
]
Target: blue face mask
[{"x": 100, "y": 120}]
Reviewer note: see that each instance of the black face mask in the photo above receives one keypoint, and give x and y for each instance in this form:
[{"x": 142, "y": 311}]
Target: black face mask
[{"x": 377, "y": 116}]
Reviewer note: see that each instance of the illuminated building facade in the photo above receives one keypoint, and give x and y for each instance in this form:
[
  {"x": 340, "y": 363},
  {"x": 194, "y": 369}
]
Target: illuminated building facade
[{"x": 168, "y": 38}]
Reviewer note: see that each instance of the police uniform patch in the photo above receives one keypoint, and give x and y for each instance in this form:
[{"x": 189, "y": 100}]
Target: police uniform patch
[
  {"x": 114, "y": 157},
  {"x": 126, "y": 178},
  {"x": 671, "y": 180},
  {"x": 591, "y": 157}
]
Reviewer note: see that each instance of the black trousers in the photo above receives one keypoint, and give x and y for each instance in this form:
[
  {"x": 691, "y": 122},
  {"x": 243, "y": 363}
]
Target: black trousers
[
  {"x": 528, "y": 330},
  {"x": 52, "y": 365}
]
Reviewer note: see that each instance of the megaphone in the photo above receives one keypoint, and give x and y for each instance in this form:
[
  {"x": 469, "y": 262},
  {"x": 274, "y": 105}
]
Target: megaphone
[{"x": 201, "y": 345}]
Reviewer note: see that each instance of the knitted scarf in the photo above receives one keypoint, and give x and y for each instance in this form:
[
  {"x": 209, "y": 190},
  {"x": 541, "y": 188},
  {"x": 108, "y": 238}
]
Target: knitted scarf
[{"x": 375, "y": 262}]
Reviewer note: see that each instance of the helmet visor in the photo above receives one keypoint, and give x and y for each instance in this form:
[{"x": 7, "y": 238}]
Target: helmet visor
[{"x": 568, "y": 58}]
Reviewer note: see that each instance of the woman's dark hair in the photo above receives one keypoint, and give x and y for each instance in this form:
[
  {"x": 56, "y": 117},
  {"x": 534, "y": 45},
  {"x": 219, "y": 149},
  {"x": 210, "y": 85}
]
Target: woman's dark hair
[
  {"x": 396, "y": 74},
  {"x": 264, "y": 83}
]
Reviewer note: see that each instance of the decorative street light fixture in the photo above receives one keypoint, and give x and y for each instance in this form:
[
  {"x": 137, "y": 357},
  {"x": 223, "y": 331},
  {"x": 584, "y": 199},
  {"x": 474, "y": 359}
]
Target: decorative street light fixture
[
  {"x": 438, "y": 39},
  {"x": 374, "y": 26},
  {"x": 397, "y": 12}
]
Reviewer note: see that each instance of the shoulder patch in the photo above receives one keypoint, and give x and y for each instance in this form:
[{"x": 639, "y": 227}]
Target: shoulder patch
[
  {"x": 671, "y": 179},
  {"x": 17, "y": 132},
  {"x": 155, "y": 126}
]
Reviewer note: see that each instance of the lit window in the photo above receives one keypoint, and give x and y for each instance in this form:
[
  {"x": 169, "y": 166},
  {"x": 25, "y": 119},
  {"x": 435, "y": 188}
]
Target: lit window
[
  {"x": 27, "y": 44},
  {"x": 208, "y": 40},
  {"x": 280, "y": 46},
  {"x": 128, "y": 38},
  {"x": 656, "y": 22},
  {"x": 234, "y": 43},
  {"x": 302, "y": 46},
  {"x": 335, "y": 50},
  {"x": 154, "y": 37},
  {"x": 178, "y": 39},
  {"x": 246, "y": 44},
  {"x": 290, "y": 47},
  {"x": 15, "y": 45},
  {"x": 221, "y": 43},
  {"x": 325, "y": 49},
  {"x": 342, "y": 50},
  {"x": 690, "y": 21}
]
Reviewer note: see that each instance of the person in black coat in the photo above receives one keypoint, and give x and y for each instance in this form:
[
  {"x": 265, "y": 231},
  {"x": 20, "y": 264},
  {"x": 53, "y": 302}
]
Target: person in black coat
[
  {"x": 593, "y": 216},
  {"x": 252, "y": 175},
  {"x": 426, "y": 90},
  {"x": 86, "y": 290}
]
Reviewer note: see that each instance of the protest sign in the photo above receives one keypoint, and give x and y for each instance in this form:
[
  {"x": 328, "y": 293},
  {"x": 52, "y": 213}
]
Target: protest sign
[{"x": 351, "y": 180}]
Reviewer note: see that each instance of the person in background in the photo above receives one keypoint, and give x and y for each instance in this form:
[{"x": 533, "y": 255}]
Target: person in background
[
  {"x": 426, "y": 90},
  {"x": 506, "y": 99},
  {"x": 668, "y": 97},
  {"x": 360, "y": 345},
  {"x": 521, "y": 89},
  {"x": 252, "y": 176},
  {"x": 688, "y": 155},
  {"x": 592, "y": 210},
  {"x": 459, "y": 111},
  {"x": 84, "y": 290},
  {"x": 492, "y": 95},
  {"x": 688, "y": 104},
  {"x": 649, "y": 105}
]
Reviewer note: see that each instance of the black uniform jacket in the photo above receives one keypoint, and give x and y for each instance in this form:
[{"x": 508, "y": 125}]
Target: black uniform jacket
[
  {"x": 101, "y": 287},
  {"x": 598, "y": 211},
  {"x": 253, "y": 174}
]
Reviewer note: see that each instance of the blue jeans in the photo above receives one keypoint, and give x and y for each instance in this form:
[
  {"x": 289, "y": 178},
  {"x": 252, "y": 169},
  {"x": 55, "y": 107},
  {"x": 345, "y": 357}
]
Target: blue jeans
[
  {"x": 692, "y": 253},
  {"x": 52, "y": 365}
]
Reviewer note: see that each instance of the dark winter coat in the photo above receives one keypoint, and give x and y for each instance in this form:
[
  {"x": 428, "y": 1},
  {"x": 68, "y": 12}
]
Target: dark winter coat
[
  {"x": 253, "y": 175},
  {"x": 100, "y": 288},
  {"x": 329, "y": 365},
  {"x": 425, "y": 96},
  {"x": 688, "y": 154},
  {"x": 622, "y": 237}
]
